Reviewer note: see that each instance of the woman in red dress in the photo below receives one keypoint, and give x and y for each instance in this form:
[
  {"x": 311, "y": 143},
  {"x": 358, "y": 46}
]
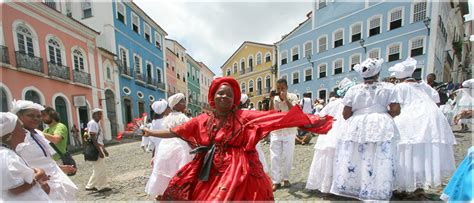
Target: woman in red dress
[{"x": 226, "y": 166}]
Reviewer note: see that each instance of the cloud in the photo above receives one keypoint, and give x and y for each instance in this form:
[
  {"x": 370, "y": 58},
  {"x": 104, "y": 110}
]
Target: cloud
[{"x": 212, "y": 31}]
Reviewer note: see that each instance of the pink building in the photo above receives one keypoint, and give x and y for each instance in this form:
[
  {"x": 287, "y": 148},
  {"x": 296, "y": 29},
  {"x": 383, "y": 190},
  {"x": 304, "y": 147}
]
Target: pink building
[
  {"x": 50, "y": 59},
  {"x": 175, "y": 68}
]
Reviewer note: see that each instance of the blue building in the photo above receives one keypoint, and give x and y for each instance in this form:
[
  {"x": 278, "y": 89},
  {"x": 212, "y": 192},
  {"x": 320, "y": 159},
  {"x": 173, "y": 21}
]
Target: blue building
[{"x": 322, "y": 50}]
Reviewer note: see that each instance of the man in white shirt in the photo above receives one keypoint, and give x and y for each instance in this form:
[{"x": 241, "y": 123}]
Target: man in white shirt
[
  {"x": 98, "y": 179},
  {"x": 306, "y": 103},
  {"x": 282, "y": 142}
]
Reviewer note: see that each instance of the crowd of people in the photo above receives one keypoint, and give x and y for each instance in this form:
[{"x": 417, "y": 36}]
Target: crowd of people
[{"x": 375, "y": 139}]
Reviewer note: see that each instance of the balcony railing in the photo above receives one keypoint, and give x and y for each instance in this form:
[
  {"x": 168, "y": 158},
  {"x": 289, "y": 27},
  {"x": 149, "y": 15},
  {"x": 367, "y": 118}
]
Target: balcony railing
[
  {"x": 124, "y": 70},
  {"x": 250, "y": 69},
  {"x": 29, "y": 62},
  {"x": 160, "y": 85},
  {"x": 242, "y": 72},
  {"x": 139, "y": 76},
  {"x": 4, "y": 54},
  {"x": 259, "y": 92},
  {"x": 58, "y": 70},
  {"x": 82, "y": 77}
]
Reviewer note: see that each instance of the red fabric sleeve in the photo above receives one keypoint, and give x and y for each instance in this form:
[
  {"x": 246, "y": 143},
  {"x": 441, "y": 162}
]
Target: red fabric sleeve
[{"x": 190, "y": 131}]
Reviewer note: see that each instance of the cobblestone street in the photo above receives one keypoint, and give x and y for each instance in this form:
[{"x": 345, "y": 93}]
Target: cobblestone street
[{"x": 129, "y": 168}]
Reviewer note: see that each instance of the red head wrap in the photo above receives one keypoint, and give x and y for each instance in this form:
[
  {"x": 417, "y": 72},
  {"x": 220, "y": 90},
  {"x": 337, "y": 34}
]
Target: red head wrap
[{"x": 218, "y": 82}]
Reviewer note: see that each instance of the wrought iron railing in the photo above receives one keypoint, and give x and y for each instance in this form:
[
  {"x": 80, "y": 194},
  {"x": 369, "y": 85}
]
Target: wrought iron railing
[
  {"x": 4, "y": 54},
  {"x": 82, "y": 77},
  {"x": 58, "y": 70},
  {"x": 124, "y": 70},
  {"x": 29, "y": 62}
]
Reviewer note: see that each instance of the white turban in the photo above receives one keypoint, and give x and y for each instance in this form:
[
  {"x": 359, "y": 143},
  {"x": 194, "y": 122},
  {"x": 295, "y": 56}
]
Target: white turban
[
  {"x": 404, "y": 69},
  {"x": 346, "y": 82},
  {"x": 159, "y": 106},
  {"x": 18, "y": 105},
  {"x": 173, "y": 100},
  {"x": 243, "y": 98},
  {"x": 468, "y": 84},
  {"x": 369, "y": 67},
  {"x": 7, "y": 123}
]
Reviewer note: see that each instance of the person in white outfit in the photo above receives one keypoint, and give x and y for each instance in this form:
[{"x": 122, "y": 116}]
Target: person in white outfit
[
  {"x": 306, "y": 103},
  {"x": 366, "y": 151},
  {"x": 282, "y": 142},
  {"x": 19, "y": 182},
  {"x": 425, "y": 148},
  {"x": 464, "y": 103},
  {"x": 321, "y": 171},
  {"x": 173, "y": 153},
  {"x": 37, "y": 152},
  {"x": 98, "y": 179},
  {"x": 160, "y": 109}
]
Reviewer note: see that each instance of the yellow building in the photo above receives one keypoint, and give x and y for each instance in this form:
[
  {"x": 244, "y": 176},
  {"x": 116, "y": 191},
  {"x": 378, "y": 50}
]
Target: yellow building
[{"x": 252, "y": 65}]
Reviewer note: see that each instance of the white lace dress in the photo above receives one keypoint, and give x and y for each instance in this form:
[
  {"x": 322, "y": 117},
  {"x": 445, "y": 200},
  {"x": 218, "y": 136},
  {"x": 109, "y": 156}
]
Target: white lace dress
[
  {"x": 172, "y": 154},
  {"x": 365, "y": 155},
  {"x": 321, "y": 171},
  {"x": 425, "y": 148},
  {"x": 152, "y": 183}
]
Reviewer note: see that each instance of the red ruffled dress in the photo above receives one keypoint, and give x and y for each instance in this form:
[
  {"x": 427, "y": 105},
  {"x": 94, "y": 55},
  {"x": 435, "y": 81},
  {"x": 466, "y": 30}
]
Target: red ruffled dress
[{"x": 236, "y": 172}]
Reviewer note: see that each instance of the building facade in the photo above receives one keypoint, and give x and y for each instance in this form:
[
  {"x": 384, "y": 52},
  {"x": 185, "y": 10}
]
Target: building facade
[
  {"x": 322, "y": 50},
  {"x": 205, "y": 82},
  {"x": 49, "y": 59},
  {"x": 176, "y": 68},
  {"x": 194, "y": 88},
  {"x": 252, "y": 65}
]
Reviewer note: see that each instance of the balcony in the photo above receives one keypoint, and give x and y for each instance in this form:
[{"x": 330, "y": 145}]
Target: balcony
[
  {"x": 139, "y": 78},
  {"x": 82, "y": 77},
  {"x": 250, "y": 69},
  {"x": 4, "y": 53},
  {"x": 29, "y": 62},
  {"x": 58, "y": 70},
  {"x": 259, "y": 92},
  {"x": 124, "y": 70},
  {"x": 242, "y": 71},
  {"x": 160, "y": 85}
]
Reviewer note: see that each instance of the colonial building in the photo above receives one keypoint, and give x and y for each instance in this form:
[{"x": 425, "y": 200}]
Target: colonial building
[
  {"x": 322, "y": 50},
  {"x": 194, "y": 88},
  {"x": 252, "y": 65},
  {"x": 176, "y": 68}
]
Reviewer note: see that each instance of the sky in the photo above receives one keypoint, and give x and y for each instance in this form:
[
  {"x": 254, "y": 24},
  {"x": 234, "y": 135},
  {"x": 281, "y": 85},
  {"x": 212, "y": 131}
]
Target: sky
[{"x": 211, "y": 31}]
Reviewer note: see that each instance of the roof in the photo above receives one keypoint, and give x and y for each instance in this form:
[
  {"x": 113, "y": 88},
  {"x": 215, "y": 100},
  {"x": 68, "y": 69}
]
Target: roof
[
  {"x": 205, "y": 66},
  {"x": 106, "y": 51},
  {"x": 295, "y": 29},
  {"x": 238, "y": 49},
  {"x": 187, "y": 55},
  {"x": 176, "y": 42}
]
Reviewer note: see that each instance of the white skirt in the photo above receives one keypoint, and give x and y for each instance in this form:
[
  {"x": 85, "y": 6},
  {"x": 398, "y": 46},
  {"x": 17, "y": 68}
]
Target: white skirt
[
  {"x": 261, "y": 157},
  {"x": 365, "y": 171},
  {"x": 320, "y": 173},
  {"x": 424, "y": 165}
]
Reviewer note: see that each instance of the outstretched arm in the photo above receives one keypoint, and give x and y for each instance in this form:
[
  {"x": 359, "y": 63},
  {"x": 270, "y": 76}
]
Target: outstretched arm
[{"x": 166, "y": 133}]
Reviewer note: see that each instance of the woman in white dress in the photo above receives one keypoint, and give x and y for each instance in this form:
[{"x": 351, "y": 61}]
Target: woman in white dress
[
  {"x": 37, "y": 152},
  {"x": 321, "y": 171},
  {"x": 464, "y": 102},
  {"x": 19, "y": 182},
  {"x": 366, "y": 152},
  {"x": 426, "y": 142},
  {"x": 173, "y": 153}
]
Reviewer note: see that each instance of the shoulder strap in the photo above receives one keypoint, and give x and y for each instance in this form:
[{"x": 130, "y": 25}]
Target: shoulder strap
[{"x": 56, "y": 149}]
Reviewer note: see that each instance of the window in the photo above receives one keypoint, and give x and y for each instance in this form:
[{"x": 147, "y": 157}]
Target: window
[
  {"x": 259, "y": 86},
  {"x": 242, "y": 66},
  {"x": 374, "y": 53},
  {"x": 78, "y": 58},
  {"x": 121, "y": 12},
  {"x": 32, "y": 95},
  {"x": 374, "y": 26},
  {"x": 108, "y": 73},
  {"x": 322, "y": 94},
  {"x": 338, "y": 66},
  {"x": 147, "y": 32},
  {"x": 295, "y": 52},
  {"x": 322, "y": 44},
  {"x": 268, "y": 83},
  {"x": 308, "y": 74},
  {"x": 149, "y": 68},
  {"x": 158, "y": 75},
  {"x": 355, "y": 59},
  {"x": 259, "y": 58},
  {"x": 321, "y": 4},
  {"x": 51, "y": 4},
  {"x": 394, "y": 52},
  {"x": 322, "y": 70},
  {"x": 68, "y": 9},
  {"x": 250, "y": 63},
  {"x": 137, "y": 61},
  {"x": 295, "y": 77},
  {"x": 25, "y": 40},
  {"x": 235, "y": 68},
  {"x": 416, "y": 47},
  {"x": 308, "y": 49},
  {"x": 228, "y": 71},
  {"x": 243, "y": 88},
  {"x": 251, "y": 86},
  {"x": 396, "y": 19},
  {"x": 419, "y": 11},
  {"x": 86, "y": 9},
  {"x": 123, "y": 55},
  {"x": 158, "y": 40},
  {"x": 54, "y": 50},
  {"x": 284, "y": 57},
  {"x": 356, "y": 32},
  {"x": 135, "y": 23},
  {"x": 268, "y": 57},
  {"x": 338, "y": 38}
]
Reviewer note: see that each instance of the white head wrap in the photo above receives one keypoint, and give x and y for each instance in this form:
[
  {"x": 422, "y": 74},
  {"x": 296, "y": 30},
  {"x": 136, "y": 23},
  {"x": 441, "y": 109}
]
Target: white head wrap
[
  {"x": 173, "y": 100},
  {"x": 343, "y": 86},
  {"x": 7, "y": 123},
  {"x": 369, "y": 67},
  {"x": 468, "y": 84},
  {"x": 95, "y": 110},
  {"x": 404, "y": 69},
  {"x": 18, "y": 105},
  {"x": 159, "y": 106},
  {"x": 243, "y": 98}
]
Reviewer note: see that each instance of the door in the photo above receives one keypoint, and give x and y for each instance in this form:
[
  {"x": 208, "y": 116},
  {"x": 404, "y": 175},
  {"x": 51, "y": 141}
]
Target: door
[
  {"x": 128, "y": 110},
  {"x": 111, "y": 113},
  {"x": 83, "y": 117}
]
